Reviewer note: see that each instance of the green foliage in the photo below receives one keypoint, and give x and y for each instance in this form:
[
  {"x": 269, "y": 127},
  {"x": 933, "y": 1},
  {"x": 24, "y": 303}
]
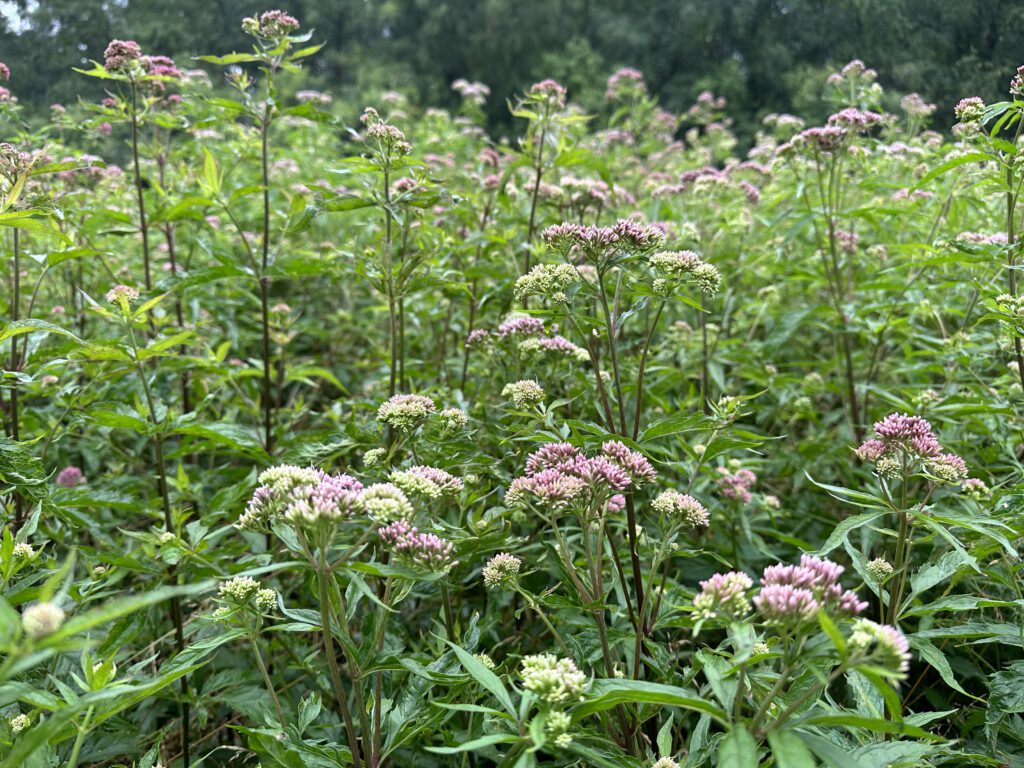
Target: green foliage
[{"x": 351, "y": 434}]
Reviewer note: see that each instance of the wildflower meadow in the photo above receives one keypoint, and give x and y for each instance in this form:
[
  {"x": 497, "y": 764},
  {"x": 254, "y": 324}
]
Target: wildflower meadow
[{"x": 357, "y": 434}]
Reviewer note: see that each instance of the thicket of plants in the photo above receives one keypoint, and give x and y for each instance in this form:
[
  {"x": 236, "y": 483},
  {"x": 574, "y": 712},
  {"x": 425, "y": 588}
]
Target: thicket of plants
[{"x": 362, "y": 439}]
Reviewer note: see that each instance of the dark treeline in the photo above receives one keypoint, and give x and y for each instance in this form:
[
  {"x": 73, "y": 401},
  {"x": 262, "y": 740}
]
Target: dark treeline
[{"x": 763, "y": 55}]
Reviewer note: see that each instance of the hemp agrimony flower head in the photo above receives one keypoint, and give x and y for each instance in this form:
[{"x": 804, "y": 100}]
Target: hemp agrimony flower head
[
  {"x": 625, "y": 83},
  {"x": 793, "y": 594},
  {"x": 634, "y": 463},
  {"x": 856, "y": 119},
  {"x": 246, "y": 592},
  {"x": 42, "y": 619},
  {"x": 386, "y": 503},
  {"x": 331, "y": 499},
  {"x": 270, "y": 25},
  {"x": 524, "y": 393},
  {"x": 406, "y": 412},
  {"x": 19, "y": 723},
  {"x": 548, "y": 281},
  {"x": 453, "y": 419},
  {"x": 599, "y": 246},
  {"x": 882, "y": 645},
  {"x": 687, "y": 265},
  {"x": 975, "y": 488},
  {"x": 421, "y": 551},
  {"x": 828, "y": 139},
  {"x": 558, "y": 476},
  {"x": 737, "y": 486},
  {"x": 879, "y": 569},
  {"x": 724, "y": 596},
  {"x": 70, "y": 477},
  {"x": 473, "y": 93},
  {"x": 501, "y": 570},
  {"x": 23, "y": 551},
  {"x": 681, "y": 508},
  {"x": 665, "y": 762},
  {"x": 431, "y": 482},
  {"x": 969, "y": 110},
  {"x": 901, "y": 440},
  {"x": 553, "y": 680},
  {"x": 548, "y": 93},
  {"x": 122, "y": 56},
  {"x": 374, "y": 456},
  {"x": 389, "y": 141},
  {"x": 123, "y": 296},
  {"x": 276, "y": 486}
]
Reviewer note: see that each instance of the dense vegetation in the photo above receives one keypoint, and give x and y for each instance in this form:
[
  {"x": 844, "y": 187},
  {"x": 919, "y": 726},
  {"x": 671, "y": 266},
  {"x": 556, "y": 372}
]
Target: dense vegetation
[
  {"x": 763, "y": 55},
  {"x": 354, "y": 437}
]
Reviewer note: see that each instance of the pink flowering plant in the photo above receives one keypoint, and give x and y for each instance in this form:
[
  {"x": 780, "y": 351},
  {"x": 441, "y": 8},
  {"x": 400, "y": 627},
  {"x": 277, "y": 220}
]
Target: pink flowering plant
[{"x": 344, "y": 429}]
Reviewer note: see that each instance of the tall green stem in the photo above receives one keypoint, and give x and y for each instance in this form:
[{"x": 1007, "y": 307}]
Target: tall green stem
[
  {"x": 267, "y": 681},
  {"x": 165, "y": 500},
  {"x": 322, "y": 575},
  {"x": 268, "y": 403},
  {"x": 140, "y": 199}
]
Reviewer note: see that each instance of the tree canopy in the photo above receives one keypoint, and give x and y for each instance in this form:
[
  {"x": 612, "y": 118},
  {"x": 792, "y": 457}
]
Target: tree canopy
[{"x": 763, "y": 55}]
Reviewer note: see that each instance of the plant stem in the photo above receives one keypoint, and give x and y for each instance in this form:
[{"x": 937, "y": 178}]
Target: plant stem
[
  {"x": 449, "y": 619},
  {"x": 83, "y": 730},
  {"x": 19, "y": 501},
  {"x": 378, "y": 683},
  {"x": 322, "y": 574},
  {"x": 268, "y": 404},
  {"x": 140, "y": 199},
  {"x": 267, "y": 681},
  {"x": 539, "y": 171},
  {"x": 165, "y": 499},
  {"x": 640, "y": 371}
]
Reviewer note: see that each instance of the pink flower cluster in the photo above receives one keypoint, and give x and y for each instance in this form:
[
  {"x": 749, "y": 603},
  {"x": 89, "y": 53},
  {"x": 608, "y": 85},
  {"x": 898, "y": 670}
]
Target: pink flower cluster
[
  {"x": 597, "y": 244},
  {"x": 418, "y": 550},
  {"x": 531, "y": 335},
  {"x": 827, "y": 139},
  {"x": 121, "y": 55},
  {"x": 332, "y": 498},
  {"x": 737, "y": 486},
  {"x": 270, "y": 25},
  {"x": 560, "y": 475},
  {"x": 549, "y": 92},
  {"x": 160, "y": 66},
  {"x": 5, "y": 72},
  {"x": 625, "y": 82},
  {"x": 901, "y": 439},
  {"x": 856, "y": 119},
  {"x": 70, "y": 477},
  {"x": 791, "y": 594}
]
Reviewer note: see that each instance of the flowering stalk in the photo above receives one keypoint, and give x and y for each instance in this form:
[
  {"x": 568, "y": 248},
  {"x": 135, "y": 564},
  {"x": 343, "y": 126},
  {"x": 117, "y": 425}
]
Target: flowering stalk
[
  {"x": 139, "y": 197},
  {"x": 265, "y": 119},
  {"x": 1011, "y": 246},
  {"x": 172, "y": 257},
  {"x": 323, "y": 575},
  {"x": 122, "y": 296}
]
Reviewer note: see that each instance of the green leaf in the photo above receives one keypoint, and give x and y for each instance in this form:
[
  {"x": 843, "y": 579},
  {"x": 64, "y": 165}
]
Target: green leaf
[
  {"x": 231, "y": 58},
  {"x": 483, "y": 741},
  {"x": 937, "y": 660},
  {"x": 672, "y": 425},
  {"x": 789, "y": 751},
  {"x": 17, "y": 327},
  {"x": 931, "y": 574},
  {"x": 873, "y": 724},
  {"x": 485, "y": 677},
  {"x": 842, "y": 531},
  {"x": 606, "y": 693},
  {"x": 738, "y": 749}
]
